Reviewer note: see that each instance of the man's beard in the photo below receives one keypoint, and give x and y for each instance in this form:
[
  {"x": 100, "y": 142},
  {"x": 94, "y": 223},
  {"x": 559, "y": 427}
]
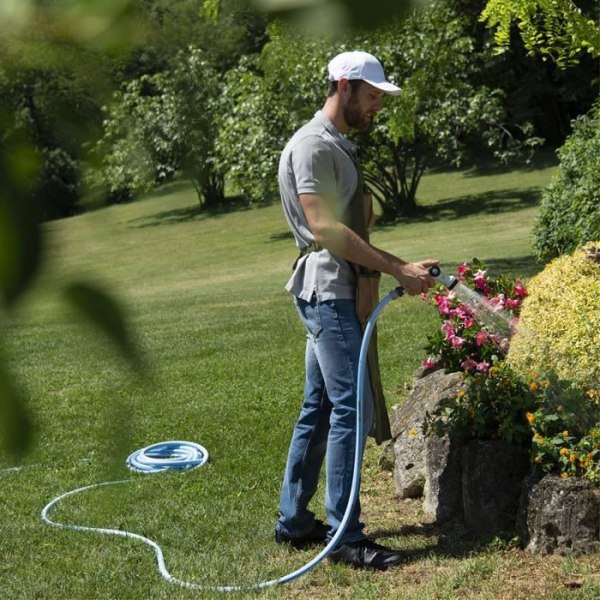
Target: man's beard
[{"x": 354, "y": 117}]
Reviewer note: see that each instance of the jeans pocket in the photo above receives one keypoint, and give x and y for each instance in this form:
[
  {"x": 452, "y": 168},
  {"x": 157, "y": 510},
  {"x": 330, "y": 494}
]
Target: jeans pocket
[{"x": 310, "y": 315}]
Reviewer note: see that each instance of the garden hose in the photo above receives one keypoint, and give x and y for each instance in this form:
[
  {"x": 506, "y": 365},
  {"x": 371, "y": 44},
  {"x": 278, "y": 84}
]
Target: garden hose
[{"x": 187, "y": 455}]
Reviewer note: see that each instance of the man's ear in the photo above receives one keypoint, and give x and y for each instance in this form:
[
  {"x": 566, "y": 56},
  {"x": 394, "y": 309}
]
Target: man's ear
[{"x": 344, "y": 89}]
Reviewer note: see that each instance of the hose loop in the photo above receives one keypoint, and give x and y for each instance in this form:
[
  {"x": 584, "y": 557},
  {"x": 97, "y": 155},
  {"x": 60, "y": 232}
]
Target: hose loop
[{"x": 164, "y": 456}]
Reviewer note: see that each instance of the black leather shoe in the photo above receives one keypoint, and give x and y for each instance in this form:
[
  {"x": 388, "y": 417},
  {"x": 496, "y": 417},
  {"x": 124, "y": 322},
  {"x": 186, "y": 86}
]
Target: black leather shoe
[
  {"x": 366, "y": 554},
  {"x": 316, "y": 535}
]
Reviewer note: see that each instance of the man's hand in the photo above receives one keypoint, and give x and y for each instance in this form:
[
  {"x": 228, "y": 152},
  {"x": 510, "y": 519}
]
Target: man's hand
[{"x": 415, "y": 277}]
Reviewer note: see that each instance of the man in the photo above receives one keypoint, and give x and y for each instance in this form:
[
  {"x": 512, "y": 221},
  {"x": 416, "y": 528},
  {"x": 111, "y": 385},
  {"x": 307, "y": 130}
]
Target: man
[{"x": 326, "y": 207}]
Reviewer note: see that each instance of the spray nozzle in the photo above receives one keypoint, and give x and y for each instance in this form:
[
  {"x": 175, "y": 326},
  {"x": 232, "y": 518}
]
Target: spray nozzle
[{"x": 448, "y": 281}]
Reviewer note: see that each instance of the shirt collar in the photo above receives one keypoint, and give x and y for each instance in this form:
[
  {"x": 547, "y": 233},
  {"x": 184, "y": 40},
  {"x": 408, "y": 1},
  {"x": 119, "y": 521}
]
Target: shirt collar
[{"x": 348, "y": 145}]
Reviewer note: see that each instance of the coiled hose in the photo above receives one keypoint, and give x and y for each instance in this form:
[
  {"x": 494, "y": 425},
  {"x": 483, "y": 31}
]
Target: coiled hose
[{"x": 187, "y": 455}]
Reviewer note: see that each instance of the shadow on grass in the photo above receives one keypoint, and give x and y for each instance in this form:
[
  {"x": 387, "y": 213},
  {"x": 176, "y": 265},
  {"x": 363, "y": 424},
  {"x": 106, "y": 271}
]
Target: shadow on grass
[
  {"x": 518, "y": 266},
  {"x": 489, "y": 203},
  {"x": 281, "y": 236},
  {"x": 543, "y": 159},
  {"x": 451, "y": 539},
  {"x": 190, "y": 213}
]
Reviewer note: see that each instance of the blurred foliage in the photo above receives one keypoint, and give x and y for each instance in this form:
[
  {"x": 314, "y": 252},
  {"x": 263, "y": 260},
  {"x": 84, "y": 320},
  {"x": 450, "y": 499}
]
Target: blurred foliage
[{"x": 52, "y": 77}]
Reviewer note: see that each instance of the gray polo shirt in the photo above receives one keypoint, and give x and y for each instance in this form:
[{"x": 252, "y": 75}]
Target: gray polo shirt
[{"x": 317, "y": 160}]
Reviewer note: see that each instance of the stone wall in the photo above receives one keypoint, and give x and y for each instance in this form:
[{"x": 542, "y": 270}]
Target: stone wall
[{"x": 486, "y": 483}]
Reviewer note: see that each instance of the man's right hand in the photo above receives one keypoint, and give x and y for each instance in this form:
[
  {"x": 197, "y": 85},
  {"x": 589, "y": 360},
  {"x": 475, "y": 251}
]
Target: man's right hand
[{"x": 415, "y": 277}]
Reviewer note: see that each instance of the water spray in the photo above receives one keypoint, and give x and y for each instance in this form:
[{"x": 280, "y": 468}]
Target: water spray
[{"x": 490, "y": 317}]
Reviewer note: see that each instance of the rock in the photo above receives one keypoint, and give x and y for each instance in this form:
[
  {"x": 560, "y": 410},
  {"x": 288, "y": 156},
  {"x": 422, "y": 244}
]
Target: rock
[
  {"x": 560, "y": 516},
  {"x": 409, "y": 443},
  {"x": 492, "y": 477},
  {"x": 443, "y": 494}
]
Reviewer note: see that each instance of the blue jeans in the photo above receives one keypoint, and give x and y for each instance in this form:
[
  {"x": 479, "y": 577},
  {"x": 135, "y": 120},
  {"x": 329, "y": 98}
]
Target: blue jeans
[{"x": 326, "y": 428}]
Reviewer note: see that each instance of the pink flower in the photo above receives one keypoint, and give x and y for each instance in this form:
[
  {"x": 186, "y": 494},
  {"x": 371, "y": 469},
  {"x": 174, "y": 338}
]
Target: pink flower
[
  {"x": 428, "y": 363},
  {"x": 520, "y": 289},
  {"x": 480, "y": 280},
  {"x": 513, "y": 303},
  {"x": 443, "y": 304},
  {"x": 463, "y": 270},
  {"x": 461, "y": 313},
  {"x": 483, "y": 366},
  {"x": 468, "y": 364},
  {"x": 481, "y": 338},
  {"x": 448, "y": 328},
  {"x": 498, "y": 301},
  {"x": 468, "y": 321},
  {"x": 503, "y": 344},
  {"x": 456, "y": 341}
]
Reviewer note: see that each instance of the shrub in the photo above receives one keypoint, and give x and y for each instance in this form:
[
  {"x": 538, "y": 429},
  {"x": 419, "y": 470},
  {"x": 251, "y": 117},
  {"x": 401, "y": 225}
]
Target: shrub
[
  {"x": 570, "y": 207},
  {"x": 559, "y": 326},
  {"x": 490, "y": 405},
  {"x": 566, "y": 428},
  {"x": 473, "y": 334},
  {"x": 559, "y": 420}
]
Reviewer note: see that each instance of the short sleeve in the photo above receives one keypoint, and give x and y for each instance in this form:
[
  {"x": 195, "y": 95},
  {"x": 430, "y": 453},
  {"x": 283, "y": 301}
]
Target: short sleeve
[{"x": 313, "y": 166}]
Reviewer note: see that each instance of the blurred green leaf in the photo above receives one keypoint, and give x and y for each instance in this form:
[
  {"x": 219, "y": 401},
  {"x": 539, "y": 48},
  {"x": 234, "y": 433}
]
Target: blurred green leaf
[
  {"x": 106, "y": 313},
  {"x": 20, "y": 233},
  {"x": 15, "y": 425},
  {"x": 338, "y": 14}
]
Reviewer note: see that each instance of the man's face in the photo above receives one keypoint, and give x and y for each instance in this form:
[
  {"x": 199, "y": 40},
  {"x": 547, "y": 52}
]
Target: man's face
[{"x": 361, "y": 106}]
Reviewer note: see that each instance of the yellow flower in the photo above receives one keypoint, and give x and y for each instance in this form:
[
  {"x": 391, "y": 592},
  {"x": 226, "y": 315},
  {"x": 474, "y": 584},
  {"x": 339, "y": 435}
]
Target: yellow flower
[
  {"x": 564, "y": 475},
  {"x": 590, "y": 455},
  {"x": 592, "y": 393},
  {"x": 564, "y": 451},
  {"x": 572, "y": 458},
  {"x": 533, "y": 386},
  {"x": 565, "y": 433},
  {"x": 538, "y": 459},
  {"x": 538, "y": 438},
  {"x": 530, "y": 417},
  {"x": 461, "y": 394},
  {"x": 559, "y": 408},
  {"x": 412, "y": 433}
]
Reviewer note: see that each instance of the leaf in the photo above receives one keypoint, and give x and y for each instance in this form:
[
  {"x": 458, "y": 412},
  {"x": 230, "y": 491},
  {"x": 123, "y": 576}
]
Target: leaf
[
  {"x": 106, "y": 313},
  {"x": 15, "y": 424},
  {"x": 20, "y": 233}
]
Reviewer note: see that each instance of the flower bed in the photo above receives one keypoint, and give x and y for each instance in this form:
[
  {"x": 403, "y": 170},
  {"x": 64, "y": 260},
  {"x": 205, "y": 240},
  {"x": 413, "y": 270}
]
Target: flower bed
[{"x": 557, "y": 419}]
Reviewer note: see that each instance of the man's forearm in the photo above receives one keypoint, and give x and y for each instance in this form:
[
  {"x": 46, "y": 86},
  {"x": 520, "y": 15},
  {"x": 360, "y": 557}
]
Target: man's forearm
[{"x": 342, "y": 241}]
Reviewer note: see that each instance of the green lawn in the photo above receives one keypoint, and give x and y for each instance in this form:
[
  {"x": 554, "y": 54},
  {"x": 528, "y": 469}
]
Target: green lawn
[{"x": 205, "y": 297}]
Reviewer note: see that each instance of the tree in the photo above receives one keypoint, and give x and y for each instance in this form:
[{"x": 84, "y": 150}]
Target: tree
[
  {"x": 441, "y": 116},
  {"x": 159, "y": 126},
  {"x": 445, "y": 115},
  {"x": 265, "y": 98},
  {"x": 556, "y": 29}
]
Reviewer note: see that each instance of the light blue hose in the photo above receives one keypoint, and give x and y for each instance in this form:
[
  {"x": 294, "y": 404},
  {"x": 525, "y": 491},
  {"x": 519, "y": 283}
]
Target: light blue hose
[{"x": 188, "y": 455}]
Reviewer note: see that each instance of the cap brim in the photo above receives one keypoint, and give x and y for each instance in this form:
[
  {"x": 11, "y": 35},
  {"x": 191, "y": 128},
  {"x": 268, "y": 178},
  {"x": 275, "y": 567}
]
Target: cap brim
[{"x": 387, "y": 87}]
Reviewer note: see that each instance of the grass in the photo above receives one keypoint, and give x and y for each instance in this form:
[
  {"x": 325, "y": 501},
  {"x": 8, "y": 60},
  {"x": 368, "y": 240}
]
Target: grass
[{"x": 204, "y": 294}]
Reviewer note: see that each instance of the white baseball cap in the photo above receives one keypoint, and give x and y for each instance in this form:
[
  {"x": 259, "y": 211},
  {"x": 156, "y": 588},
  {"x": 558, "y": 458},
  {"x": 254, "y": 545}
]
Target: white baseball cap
[{"x": 361, "y": 65}]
